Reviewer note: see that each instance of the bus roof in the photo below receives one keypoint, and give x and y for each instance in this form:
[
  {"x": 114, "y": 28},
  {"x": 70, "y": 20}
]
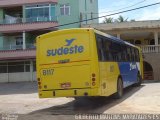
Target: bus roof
[{"x": 115, "y": 39}]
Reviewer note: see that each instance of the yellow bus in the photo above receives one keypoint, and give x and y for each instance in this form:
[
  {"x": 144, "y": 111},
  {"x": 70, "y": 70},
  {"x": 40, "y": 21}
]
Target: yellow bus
[{"x": 86, "y": 62}]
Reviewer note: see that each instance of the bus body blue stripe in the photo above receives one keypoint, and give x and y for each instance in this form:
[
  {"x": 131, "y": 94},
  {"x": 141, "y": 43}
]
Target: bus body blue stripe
[{"x": 128, "y": 71}]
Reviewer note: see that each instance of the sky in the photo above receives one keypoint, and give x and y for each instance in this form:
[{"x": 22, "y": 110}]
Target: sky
[{"x": 107, "y": 7}]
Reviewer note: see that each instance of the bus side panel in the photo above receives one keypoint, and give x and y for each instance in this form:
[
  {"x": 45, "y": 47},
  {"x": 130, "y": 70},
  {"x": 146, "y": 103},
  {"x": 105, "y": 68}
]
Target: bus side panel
[
  {"x": 109, "y": 72},
  {"x": 128, "y": 71}
]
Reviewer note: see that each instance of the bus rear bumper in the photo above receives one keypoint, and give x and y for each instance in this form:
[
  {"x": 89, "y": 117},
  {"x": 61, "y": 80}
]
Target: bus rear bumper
[{"x": 69, "y": 93}]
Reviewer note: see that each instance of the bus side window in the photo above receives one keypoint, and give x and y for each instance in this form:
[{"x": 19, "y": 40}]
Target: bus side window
[
  {"x": 100, "y": 47},
  {"x": 128, "y": 54},
  {"x": 123, "y": 53},
  {"x": 108, "y": 53},
  {"x": 133, "y": 54},
  {"x": 119, "y": 53},
  {"x": 137, "y": 59}
]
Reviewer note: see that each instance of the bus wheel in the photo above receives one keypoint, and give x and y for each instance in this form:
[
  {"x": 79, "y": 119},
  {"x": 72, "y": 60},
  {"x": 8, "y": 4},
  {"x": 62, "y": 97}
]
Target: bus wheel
[
  {"x": 119, "y": 93},
  {"x": 139, "y": 80}
]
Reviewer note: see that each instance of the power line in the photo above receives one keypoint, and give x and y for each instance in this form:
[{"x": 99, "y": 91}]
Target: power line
[
  {"x": 122, "y": 8},
  {"x": 105, "y": 15}
]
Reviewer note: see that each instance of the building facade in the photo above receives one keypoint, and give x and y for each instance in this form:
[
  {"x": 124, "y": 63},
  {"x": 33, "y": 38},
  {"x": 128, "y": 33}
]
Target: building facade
[
  {"x": 145, "y": 34},
  {"x": 21, "y": 21}
]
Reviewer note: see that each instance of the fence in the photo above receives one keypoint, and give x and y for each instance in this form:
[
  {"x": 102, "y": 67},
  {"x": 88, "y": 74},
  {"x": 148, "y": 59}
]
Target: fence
[
  {"x": 28, "y": 20},
  {"x": 150, "y": 48}
]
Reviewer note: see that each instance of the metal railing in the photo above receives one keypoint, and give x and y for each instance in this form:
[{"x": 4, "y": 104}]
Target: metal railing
[
  {"x": 17, "y": 47},
  {"x": 28, "y": 20},
  {"x": 150, "y": 48}
]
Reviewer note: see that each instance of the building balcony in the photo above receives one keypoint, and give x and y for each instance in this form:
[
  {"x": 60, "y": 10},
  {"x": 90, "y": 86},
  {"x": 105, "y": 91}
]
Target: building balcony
[
  {"x": 27, "y": 24},
  {"x": 28, "y": 20},
  {"x": 17, "y": 47},
  {"x": 18, "y": 54},
  {"x": 8, "y": 3},
  {"x": 150, "y": 49}
]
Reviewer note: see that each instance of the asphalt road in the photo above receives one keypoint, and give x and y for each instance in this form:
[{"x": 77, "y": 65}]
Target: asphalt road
[{"x": 21, "y": 100}]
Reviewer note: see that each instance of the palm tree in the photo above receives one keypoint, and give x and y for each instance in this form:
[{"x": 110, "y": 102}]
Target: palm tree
[
  {"x": 108, "y": 20},
  {"x": 121, "y": 19}
]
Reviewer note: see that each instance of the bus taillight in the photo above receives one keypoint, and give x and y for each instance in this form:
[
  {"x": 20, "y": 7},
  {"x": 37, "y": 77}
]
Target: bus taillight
[
  {"x": 93, "y": 83},
  {"x": 39, "y": 83},
  {"x": 93, "y": 75},
  {"x": 38, "y": 79},
  {"x": 93, "y": 79}
]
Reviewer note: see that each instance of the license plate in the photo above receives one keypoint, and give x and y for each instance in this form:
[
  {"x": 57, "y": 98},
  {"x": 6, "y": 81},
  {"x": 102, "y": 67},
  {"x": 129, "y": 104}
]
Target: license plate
[{"x": 65, "y": 85}]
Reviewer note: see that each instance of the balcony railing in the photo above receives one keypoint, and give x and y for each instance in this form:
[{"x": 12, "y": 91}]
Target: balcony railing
[
  {"x": 150, "y": 48},
  {"x": 28, "y": 20},
  {"x": 17, "y": 47}
]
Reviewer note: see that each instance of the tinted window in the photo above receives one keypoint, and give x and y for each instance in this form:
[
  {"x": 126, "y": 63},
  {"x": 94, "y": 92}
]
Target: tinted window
[
  {"x": 3, "y": 68},
  {"x": 109, "y": 50},
  {"x": 108, "y": 53},
  {"x": 137, "y": 59},
  {"x": 124, "y": 53},
  {"x": 100, "y": 48}
]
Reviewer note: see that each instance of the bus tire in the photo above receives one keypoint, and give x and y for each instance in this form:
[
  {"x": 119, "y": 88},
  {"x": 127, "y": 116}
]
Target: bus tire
[
  {"x": 119, "y": 92},
  {"x": 139, "y": 80}
]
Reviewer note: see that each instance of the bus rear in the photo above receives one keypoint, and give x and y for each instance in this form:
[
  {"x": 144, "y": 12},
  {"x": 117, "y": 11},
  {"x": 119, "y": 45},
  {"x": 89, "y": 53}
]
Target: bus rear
[{"x": 66, "y": 64}]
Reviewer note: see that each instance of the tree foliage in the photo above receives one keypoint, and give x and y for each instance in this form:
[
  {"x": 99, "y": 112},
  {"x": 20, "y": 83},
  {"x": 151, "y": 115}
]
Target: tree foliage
[
  {"x": 108, "y": 20},
  {"x": 119, "y": 19}
]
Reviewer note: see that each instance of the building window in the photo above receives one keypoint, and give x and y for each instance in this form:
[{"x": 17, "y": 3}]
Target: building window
[
  {"x": 3, "y": 67},
  {"x": 27, "y": 66},
  {"x": 65, "y": 9},
  {"x": 37, "y": 13},
  {"x": 14, "y": 67},
  {"x": 19, "y": 43},
  {"x": 19, "y": 40}
]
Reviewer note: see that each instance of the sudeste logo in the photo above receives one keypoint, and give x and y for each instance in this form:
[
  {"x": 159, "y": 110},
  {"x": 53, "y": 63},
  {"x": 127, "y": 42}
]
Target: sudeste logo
[
  {"x": 66, "y": 49},
  {"x": 133, "y": 66},
  {"x": 69, "y": 42}
]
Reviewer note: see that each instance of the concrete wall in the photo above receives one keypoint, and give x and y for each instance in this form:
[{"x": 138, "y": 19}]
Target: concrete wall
[
  {"x": 74, "y": 14},
  {"x": 86, "y": 8},
  {"x": 77, "y": 7},
  {"x": 153, "y": 59},
  {"x": 3, "y": 77},
  {"x": 17, "y": 77},
  {"x": 34, "y": 78}
]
